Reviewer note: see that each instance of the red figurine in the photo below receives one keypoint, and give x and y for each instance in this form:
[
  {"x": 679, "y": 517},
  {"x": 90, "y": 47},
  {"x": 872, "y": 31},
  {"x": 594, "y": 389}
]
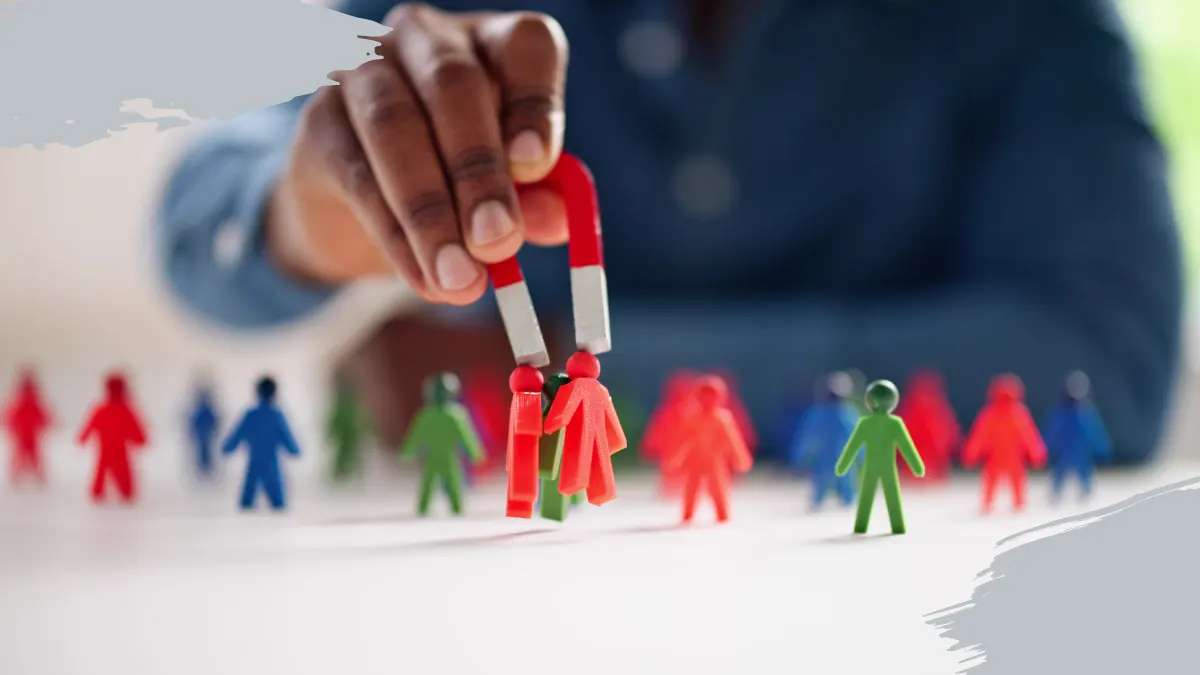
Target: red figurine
[
  {"x": 1005, "y": 438},
  {"x": 583, "y": 407},
  {"x": 741, "y": 414},
  {"x": 663, "y": 429},
  {"x": 116, "y": 426},
  {"x": 931, "y": 423},
  {"x": 27, "y": 419},
  {"x": 710, "y": 445}
]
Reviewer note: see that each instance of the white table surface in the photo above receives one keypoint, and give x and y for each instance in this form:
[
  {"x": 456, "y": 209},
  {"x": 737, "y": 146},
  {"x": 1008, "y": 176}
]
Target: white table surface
[{"x": 350, "y": 582}]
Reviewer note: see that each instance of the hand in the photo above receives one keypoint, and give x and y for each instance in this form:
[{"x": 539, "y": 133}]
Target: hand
[{"x": 408, "y": 167}]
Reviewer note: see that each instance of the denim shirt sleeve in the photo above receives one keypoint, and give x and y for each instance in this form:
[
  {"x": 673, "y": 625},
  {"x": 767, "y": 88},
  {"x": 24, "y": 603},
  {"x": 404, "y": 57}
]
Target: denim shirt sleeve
[{"x": 216, "y": 195}]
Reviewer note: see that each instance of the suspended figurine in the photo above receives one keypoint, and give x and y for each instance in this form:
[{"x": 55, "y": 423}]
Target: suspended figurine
[
  {"x": 554, "y": 504},
  {"x": 932, "y": 424},
  {"x": 347, "y": 432},
  {"x": 203, "y": 424},
  {"x": 1005, "y": 439},
  {"x": 117, "y": 428},
  {"x": 441, "y": 431},
  {"x": 584, "y": 407},
  {"x": 821, "y": 436},
  {"x": 265, "y": 431},
  {"x": 878, "y": 435},
  {"x": 27, "y": 419},
  {"x": 1075, "y": 437},
  {"x": 710, "y": 447}
]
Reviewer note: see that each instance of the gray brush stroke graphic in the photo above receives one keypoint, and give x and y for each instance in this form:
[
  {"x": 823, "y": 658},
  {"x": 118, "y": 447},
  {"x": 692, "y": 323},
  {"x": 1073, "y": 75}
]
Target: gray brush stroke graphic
[
  {"x": 1110, "y": 591},
  {"x": 68, "y": 66}
]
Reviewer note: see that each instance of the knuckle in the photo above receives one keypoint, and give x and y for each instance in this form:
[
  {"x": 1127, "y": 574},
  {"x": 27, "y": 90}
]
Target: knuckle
[
  {"x": 483, "y": 166},
  {"x": 455, "y": 71},
  {"x": 387, "y": 109},
  {"x": 430, "y": 212}
]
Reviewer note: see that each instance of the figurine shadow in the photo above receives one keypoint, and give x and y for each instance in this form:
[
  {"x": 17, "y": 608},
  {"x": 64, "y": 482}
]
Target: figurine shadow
[
  {"x": 852, "y": 538},
  {"x": 465, "y": 542}
]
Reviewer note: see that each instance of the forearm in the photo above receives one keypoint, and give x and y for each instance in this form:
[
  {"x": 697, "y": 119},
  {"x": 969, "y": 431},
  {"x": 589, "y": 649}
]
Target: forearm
[
  {"x": 778, "y": 350},
  {"x": 218, "y": 194}
]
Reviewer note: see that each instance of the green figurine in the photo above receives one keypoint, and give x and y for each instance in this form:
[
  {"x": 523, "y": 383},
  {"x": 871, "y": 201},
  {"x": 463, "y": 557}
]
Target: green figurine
[
  {"x": 347, "y": 431},
  {"x": 882, "y": 433},
  {"x": 442, "y": 429},
  {"x": 633, "y": 421},
  {"x": 554, "y": 503}
]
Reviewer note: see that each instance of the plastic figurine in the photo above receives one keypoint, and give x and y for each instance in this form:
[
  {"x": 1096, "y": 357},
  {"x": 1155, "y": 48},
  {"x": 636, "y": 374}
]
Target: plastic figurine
[
  {"x": 584, "y": 408},
  {"x": 666, "y": 422},
  {"x": 879, "y": 434},
  {"x": 441, "y": 431},
  {"x": 202, "y": 427},
  {"x": 931, "y": 421},
  {"x": 741, "y": 414},
  {"x": 1005, "y": 438},
  {"x": 554, "y": 504},
  {"x": 710, "y": 446},
  {"x": 27, "y": 420},
  {"x": 1075, "y": 437},
  {"x": 347, "y": 431},
  {"x": 265, "y": 431},
  {"x": 821, "y": 435},
  {"x": 117, "y": 428}
]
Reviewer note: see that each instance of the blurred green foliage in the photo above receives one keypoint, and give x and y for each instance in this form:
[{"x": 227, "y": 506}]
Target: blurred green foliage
[{"x": 1167, "y": 36}]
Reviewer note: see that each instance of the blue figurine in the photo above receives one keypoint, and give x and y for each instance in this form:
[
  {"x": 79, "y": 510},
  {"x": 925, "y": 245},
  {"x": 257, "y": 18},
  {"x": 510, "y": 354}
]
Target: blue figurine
[
  {"x": 820, "y": 437},
  {"x": 1075, "y": 437},
  {"x": 202, "y": 425},
  {"x": 265, "y": 430}
]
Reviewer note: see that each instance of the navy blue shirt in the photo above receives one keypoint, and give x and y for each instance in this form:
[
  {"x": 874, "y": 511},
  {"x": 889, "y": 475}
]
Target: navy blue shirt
[{"x": 876, "y": 184}]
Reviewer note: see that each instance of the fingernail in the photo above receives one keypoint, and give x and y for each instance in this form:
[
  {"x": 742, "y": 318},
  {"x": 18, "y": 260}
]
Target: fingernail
[
  {"x": 526, "y": 148},
  {"x": 490, "y": 223},
  {"x": 455, "y": 269}
]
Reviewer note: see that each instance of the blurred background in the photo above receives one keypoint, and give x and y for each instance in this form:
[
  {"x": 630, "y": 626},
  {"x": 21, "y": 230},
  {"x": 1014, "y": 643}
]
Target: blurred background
[{"x": 80, "y": 293}]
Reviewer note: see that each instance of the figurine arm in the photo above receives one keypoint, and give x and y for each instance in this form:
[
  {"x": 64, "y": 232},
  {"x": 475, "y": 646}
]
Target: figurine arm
[
  {"x": 1097, "y": 435},
  {"x": 416, "y": 436},
  {"x": 615, "y": 433},
  {"x": 286, "y": 439},
  {"x": 908, "y": 450},
  {"x": 89, "y": 428},
  {"x": 850, "y": 452},
  {"x": 235, "y": 438},
  {"x": 468, "y": 438},
  {"x": 1035, "y": 447},
  {"x": 974, "y": 449},
  {"x": 563, "y": 409},
  {"x": 136, "y": 433},
  {"x": 735, "y": 445}
]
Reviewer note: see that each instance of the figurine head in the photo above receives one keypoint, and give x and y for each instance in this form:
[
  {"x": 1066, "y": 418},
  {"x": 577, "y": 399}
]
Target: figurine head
[
  {"x": 882, "y": 397},
  {"x": 1079, "y": 387},
  {"x": 442, "y": 388},
  {"x": 1006, "y": 388},
  {"x": 116, "y": 387},
  {"x": 583, "y": 365},
  {"x": 925, "y": 381},
  {"x": 266, "y": 388},
  {"x": 836, "y": 386},
  {"x": 711, "y": 392},
  {"x": 553, "y": 384}
]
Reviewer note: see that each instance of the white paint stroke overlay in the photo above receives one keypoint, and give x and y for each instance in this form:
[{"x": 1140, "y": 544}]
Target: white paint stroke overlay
[
  {"x": 1113, "y": 591},
  {"x": 68, "y": 66}
]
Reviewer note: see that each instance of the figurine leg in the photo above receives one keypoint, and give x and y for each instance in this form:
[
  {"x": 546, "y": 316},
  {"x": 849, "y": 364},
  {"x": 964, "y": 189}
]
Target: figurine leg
[
  {"x": 426, "y": 493},
  {"x": 1058, "y": 477},
  {"x": 602, "y": 485},
  {"x": 1085, "y": 471},
  {"x": 126, "y": 485},
  {"x": 99, "y": 480},
  {"x": 718, "y": 491},
  {"x": 691, "y": 490},
  {"x": 866, "y": 499},
  {"x": 273, "y": 486},
  {"x": 554, "y": 503},
  {"x": 891, "y": 496},
  {"x": 452, "y": 483},
  {"x": 523, "y": 472},
  {"x": 576, "y": 461},
  {"x": 990, "y": 476},
  {"x": 820, "y": 486},
  {"x": 249, "y": 490},
  {"x": 1017, "y": 483},
  {"x": 204, "y": 461}
]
